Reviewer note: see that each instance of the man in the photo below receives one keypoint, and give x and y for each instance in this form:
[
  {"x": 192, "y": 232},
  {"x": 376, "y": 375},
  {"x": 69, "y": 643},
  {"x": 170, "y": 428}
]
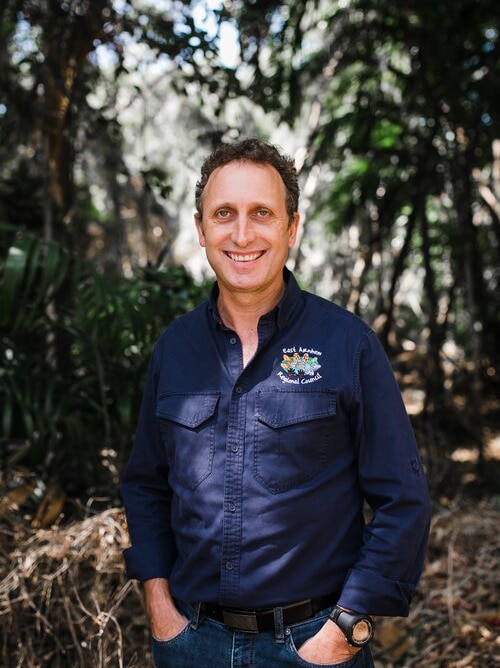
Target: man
[{"x": 269, "y": 417}]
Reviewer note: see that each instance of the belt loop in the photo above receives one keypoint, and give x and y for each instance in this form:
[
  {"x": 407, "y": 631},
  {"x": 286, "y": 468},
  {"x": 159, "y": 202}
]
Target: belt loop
[
  {"x": 195, "y": 618},
  {"x": 279, "y": 628}
]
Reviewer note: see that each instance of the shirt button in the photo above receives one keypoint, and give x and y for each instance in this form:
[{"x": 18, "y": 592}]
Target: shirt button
[
  {"x": 229, "y": 566},
  {"x": 238, "y": 389},
  {"x": 232, "y": 506},
  {"x": 233, "y": 340},
  {"x": 234, "y": 447}
]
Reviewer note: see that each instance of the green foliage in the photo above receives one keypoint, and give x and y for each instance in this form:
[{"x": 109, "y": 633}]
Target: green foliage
[
  {"x": 74, "y": 348},
  {"x": 391, "y": 108},
  {"x": 405, "y": 98}
]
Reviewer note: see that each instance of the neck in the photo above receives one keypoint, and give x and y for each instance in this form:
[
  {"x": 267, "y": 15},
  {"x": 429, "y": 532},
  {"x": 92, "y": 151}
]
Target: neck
[
  {"x": 241, "y": 313},
  {"x": 242, "y": 310}
]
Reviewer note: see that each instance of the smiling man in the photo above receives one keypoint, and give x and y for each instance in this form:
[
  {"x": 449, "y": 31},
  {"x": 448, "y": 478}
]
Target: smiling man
[
  {"x": 270, "y": 416},
  {"x": 247, "y": 232}
]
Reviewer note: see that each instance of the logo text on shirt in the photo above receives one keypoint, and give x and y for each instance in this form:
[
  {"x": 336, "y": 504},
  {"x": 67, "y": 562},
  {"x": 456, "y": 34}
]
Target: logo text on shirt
[{"x": 300, "y": 365}]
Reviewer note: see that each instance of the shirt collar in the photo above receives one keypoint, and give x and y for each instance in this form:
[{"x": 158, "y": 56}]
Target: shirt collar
[
  {"x": 290, "y": 301},
  {"x": 212, "y": 303}
]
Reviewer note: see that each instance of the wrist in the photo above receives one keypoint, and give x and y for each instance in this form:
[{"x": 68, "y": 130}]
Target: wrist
[
  {"x": 357, "y": 628},
  {"x": 158, "y": 596}
]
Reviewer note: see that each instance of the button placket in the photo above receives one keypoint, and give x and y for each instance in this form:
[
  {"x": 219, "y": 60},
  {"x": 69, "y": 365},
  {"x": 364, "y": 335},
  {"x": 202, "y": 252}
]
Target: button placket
[{"x": 233, "y": 486}]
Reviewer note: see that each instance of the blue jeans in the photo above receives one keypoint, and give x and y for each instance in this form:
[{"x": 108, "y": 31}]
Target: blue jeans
[{"x": 207, "y": 643}]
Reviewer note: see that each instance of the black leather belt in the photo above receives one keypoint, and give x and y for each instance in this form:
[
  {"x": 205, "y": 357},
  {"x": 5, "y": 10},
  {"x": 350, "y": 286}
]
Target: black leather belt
[{"x": 255, "y": 621}]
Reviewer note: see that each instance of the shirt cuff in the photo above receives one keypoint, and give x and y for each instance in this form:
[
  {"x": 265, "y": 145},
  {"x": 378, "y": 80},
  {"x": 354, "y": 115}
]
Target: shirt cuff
[
  {"x": 372, "y": 594},
  {"x": 145, "y": 561}
]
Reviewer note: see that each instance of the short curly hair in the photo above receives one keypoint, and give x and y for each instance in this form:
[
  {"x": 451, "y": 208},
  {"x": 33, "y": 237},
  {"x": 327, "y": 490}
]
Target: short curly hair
[{"x": 260, "y": 152}]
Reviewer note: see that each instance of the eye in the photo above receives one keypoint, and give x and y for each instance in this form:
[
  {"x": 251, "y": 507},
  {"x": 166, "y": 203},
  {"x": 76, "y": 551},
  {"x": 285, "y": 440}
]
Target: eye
[
  {"x": 263, "y": 213},
  {"x": 223, "y": 213}
]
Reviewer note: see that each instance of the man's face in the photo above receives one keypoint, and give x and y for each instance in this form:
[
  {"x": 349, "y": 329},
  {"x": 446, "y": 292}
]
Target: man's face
[{"x": 245, "y": 228}]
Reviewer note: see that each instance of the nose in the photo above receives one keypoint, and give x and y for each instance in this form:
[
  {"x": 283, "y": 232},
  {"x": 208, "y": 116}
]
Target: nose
[{"x": 243, "y": 231}]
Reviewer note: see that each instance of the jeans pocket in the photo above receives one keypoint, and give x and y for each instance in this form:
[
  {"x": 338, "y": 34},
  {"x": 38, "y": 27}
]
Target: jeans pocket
[
  {"x": 302, "y": 631},
  {"x": 172, "y": 641},
  {"x": 297, "y": 660}
]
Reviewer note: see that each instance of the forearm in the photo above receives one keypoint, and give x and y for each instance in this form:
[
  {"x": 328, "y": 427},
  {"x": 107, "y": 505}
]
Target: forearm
[
  {"x": 392, "y": 480},
  {"x": 166, "y": 620},
  {"x": 383, "y": 579}
]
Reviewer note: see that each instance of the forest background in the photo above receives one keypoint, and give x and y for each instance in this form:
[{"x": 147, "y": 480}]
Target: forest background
[{"x": 391, "y": 111}]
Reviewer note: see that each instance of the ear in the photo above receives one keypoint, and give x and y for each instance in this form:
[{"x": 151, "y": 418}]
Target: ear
[
  {"x": 292, "y": 230},
  {"x": 199, "y": 228}
]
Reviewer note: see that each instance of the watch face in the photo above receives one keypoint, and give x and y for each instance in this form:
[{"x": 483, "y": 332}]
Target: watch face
[
  {"x": 361, "y": 631},
  {"x": 357, "y": 628}
]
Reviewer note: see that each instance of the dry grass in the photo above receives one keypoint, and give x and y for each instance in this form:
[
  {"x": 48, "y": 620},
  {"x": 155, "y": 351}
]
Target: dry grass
[
  {"x": 455, "y": 618},
  {"x": 64, "y": 598},
  {"x": 65, "y": 601}
]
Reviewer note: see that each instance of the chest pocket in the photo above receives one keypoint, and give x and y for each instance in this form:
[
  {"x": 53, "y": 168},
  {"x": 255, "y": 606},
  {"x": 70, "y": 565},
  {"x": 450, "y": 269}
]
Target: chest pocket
[
  {"x": 187, "y": 425},
  {"x": 293, "y": 433}
]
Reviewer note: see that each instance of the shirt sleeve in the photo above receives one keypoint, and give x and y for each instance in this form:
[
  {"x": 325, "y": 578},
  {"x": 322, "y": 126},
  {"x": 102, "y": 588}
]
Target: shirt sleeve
[
  {"x": 147, "y": 496},
  {"x": 392, "y": 480}
]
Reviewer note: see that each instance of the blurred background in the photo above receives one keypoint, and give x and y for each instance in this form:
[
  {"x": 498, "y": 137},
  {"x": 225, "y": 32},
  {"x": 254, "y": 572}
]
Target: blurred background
[{"x": 107, "y": 109}]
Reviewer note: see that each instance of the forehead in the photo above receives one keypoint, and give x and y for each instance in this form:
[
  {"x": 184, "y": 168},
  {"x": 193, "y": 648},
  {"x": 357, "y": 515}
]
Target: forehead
[{"x": 243, "y": 180}]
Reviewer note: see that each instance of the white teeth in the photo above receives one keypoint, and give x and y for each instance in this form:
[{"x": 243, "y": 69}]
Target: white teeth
[{"x": 244, "y": 258}]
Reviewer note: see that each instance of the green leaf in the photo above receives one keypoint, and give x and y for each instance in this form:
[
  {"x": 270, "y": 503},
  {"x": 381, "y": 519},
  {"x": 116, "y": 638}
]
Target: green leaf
[
  {"x": 51, "y": 266},
  {"x": 16, "y": 267}
]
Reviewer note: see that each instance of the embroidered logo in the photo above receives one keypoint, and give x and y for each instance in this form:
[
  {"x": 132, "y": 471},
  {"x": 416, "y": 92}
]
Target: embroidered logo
[{"x": 300, "y": 367}]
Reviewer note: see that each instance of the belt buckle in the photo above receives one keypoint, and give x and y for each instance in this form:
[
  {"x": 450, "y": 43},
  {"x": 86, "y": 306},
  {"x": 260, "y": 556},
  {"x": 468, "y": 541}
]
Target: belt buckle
[{"x": 240, "y": 621}]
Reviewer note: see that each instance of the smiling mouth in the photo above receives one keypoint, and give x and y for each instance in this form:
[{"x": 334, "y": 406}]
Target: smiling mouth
[{"x": 249, "y": 257}]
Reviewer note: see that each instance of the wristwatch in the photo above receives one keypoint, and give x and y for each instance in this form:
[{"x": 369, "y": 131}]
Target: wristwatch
[{"x": 357, "y": 628}]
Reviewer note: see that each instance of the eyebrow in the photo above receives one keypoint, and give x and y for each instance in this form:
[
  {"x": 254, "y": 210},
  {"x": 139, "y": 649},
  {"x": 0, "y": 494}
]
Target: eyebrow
[{"x": 231, "y": 205}]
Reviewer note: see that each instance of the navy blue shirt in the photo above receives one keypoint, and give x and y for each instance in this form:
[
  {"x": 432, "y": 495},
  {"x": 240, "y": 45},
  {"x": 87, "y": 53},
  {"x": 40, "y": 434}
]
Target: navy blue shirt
[{"x": 246, "y": 486}]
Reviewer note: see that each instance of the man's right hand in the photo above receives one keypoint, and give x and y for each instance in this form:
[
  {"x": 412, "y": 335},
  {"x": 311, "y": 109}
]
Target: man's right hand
[{"x": 166, "y": 620}]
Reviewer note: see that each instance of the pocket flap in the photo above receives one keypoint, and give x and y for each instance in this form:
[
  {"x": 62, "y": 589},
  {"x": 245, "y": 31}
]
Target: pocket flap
[
  {"x": 279, "y": 408},
  {"x": 190, "y": 410}
]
